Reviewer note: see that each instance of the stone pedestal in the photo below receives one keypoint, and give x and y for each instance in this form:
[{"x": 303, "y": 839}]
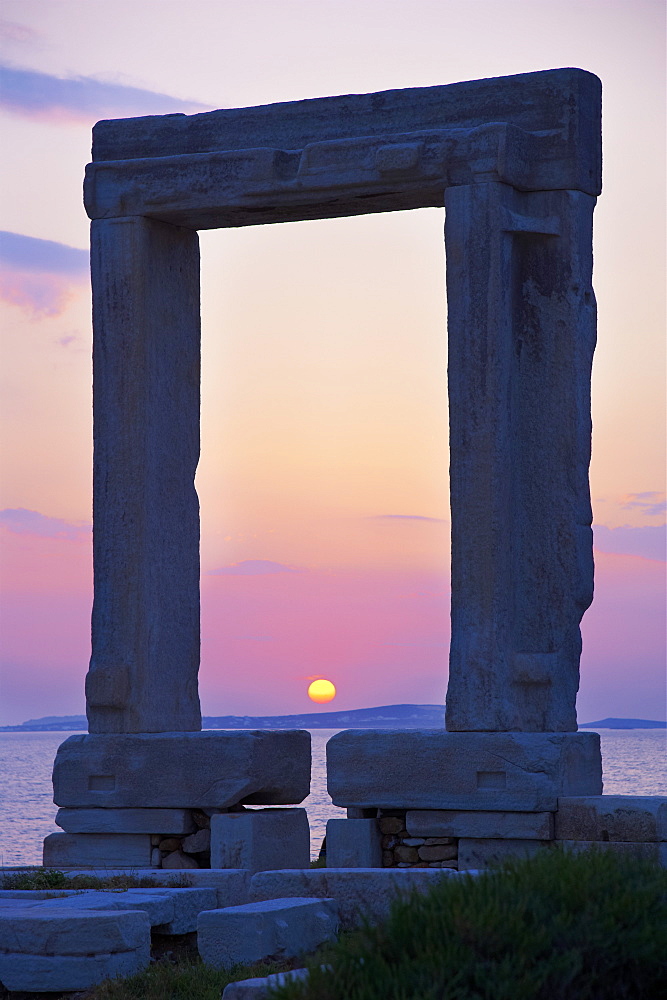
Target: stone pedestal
[
  {"x": 261, "y": 839},
  {"x": 147, "y": 799},
  {"x": 213, "y": 769},
  {"x": 433, "y": 769}
]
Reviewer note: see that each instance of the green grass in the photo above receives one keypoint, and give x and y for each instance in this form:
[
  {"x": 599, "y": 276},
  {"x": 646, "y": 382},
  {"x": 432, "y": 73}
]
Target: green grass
[
  {"x": 557, "y": 926},
  {"x": 44, "y": 878},
  {"x": 188, "y": 979}
]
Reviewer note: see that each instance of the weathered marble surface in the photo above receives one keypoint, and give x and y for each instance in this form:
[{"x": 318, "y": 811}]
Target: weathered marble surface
[
  {"x": 432, "y": 769},
  {"x": 474, "y": 824},
  {"x": 146, "y": 349},
  {"x": 612, "y": 818},
  {"x": 354, "y": 843},
  {"x": 118, "y": 850},
  {"x": 261, "y": 839},
  {"x": 521, "y": 321},
  {"x": 275, "y": 928},
  {"x": 475, "y": 854},
  {"x": 52, "y": 949},
  {"x": 163, "y": 821},
  {"x": 213, "y": 769},
  {"x": 359, "y": 892},
  {"x": 563, "y": 102}
]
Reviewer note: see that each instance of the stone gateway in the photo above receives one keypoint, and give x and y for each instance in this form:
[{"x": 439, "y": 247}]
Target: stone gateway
[{"x": 516, "y": 164}]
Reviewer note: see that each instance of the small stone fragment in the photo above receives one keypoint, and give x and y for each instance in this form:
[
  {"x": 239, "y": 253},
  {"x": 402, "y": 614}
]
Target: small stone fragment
[
  {"x": 387, "y": 859},
  {"x": 432, "y": 841},
  {"x": 391, "y": 824},
  {"x": 170, "y": 844},
  {"x": 156, "y": 857},
  {"x": 155, "y": 839},
  {"x": 442, "y": 852},
  {"x": 409, "y": 854},
  {"x": 179, "y": 860},
  {"x": 201, "y": 819},
  {"x": 199, "y": 841},
  {"x": 413, "y": 841},
  {"x": 388, "y": 843}
]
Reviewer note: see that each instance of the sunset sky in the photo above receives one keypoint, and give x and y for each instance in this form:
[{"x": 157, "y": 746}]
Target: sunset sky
[{"x": 323, "y": 477}]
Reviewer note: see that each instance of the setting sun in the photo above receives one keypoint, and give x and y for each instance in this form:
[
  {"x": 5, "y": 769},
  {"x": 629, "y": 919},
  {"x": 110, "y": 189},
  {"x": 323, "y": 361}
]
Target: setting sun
[{"x": 321, "y": 691}]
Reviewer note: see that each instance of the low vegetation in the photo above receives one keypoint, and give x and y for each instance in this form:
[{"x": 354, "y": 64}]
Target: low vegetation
[
  {"x": 187, "y": 979},
  {"x": 47, "y": 878},
  {"x": 558, "y": 926}
]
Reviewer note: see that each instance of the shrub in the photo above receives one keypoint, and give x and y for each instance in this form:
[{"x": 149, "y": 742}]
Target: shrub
[{"x": 558, "y": 926}]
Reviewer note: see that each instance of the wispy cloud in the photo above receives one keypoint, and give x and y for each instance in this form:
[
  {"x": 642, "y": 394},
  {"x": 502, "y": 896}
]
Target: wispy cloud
[
  {"x": 84, "y": 99},
  {"x": 12, "y": 31},
  {"x": 40, "y": 276},
  {"x": 22, "y": 521},
  {"x": 406, "y": 517},
  {"x": 649, "y": 541},
  {"x": 253, "y": 567},
  {"x": 652, "y": 503}
]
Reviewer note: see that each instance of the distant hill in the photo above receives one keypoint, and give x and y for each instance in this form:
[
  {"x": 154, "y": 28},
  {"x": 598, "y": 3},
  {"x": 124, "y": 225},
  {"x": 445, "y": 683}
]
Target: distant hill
[
  {"x": 624, "y": 724},
  {"x": 383, "y": 717}
]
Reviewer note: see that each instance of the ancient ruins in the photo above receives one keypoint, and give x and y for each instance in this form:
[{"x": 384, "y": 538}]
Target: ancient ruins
[{"x": 516, "y": 163}]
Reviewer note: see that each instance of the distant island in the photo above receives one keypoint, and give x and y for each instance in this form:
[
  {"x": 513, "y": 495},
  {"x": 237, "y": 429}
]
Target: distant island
[{"x": 384, "y": 717}]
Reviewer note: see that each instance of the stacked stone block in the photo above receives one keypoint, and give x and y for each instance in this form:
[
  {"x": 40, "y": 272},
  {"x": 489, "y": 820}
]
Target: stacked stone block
[
  {"x": 473, "y": 840},
  {"x": 177, "y": 800}
]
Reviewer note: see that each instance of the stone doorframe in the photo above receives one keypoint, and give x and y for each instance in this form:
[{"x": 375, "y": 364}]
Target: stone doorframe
[{"x": 516, "y": 162}]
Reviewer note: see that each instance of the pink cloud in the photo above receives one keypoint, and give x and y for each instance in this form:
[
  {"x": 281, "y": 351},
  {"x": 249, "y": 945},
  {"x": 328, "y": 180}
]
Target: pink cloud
[
  {"x": 43, "y": 97},
  {"x": 652, "y": 503},
  {"x": 21, "y": 521},
  {"x": 252, "y": 567},
  {"x": 648, "y": 541},
  {"x": 40, "y": 276}
]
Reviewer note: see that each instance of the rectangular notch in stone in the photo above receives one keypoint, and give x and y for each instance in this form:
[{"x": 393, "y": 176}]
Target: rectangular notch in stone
[
  {"x": 102, "y": 783},
  {"x": 492, "y": 780}
]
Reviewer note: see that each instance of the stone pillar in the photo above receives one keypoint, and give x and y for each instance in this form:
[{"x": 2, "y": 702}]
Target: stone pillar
[
  {"x": 521, "y": 317},
  {"x": 146, "y": 365}
]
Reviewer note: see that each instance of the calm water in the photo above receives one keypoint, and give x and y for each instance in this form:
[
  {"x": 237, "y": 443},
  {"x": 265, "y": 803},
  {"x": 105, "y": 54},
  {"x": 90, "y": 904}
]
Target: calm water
[{"x": 634, "y": 763}]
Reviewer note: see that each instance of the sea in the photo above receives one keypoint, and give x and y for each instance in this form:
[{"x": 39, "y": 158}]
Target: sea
[{"x": 634, "y": 762}]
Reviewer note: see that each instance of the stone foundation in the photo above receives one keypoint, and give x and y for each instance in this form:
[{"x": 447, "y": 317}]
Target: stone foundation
[
  {"x": 470, "y": 840},
  {"x": 139, "y": 800}
]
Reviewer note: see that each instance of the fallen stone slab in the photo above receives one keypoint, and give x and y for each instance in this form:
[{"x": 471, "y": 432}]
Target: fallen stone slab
[
  {"x": 271, "y": 929},
  {"x": 476, "y": 824},
  {"x": 56, "y": 950},
  {"x": 232, "y": 886},
  {"x": 159, "y": 907},
  {"x": 656, "y": 852},
  {"x": 92, "y": 849},
  {"x": 168, "y": 822},
  {"x": 195, "y": 770},
  {"x": 503, "y": 771},
  {"x": 359, "y": 892},
  {"x": 354, "y": 843},
  {"x": 188, "y": 904},
  {"x": 482, "y": 853},
  {"x": 260, "y": 839},
  {"x": 626, "y": 818},
  {"x": 259, "y": 989}
]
